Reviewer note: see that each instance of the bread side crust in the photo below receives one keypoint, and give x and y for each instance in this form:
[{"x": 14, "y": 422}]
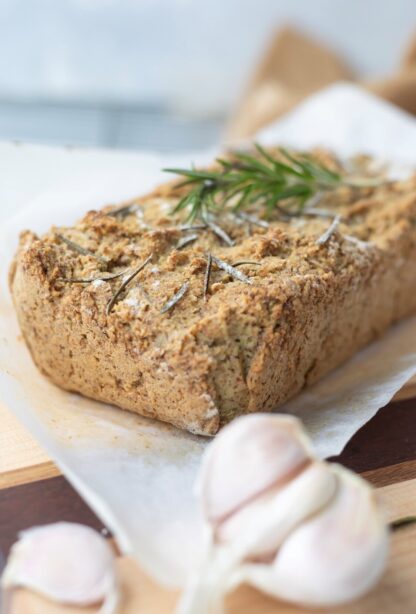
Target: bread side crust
[{"x": 77, "y": 353}]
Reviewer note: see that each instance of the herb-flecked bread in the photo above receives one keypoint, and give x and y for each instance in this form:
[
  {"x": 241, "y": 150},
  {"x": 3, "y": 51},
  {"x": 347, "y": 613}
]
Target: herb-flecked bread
[{"x": 196, "y": 323}]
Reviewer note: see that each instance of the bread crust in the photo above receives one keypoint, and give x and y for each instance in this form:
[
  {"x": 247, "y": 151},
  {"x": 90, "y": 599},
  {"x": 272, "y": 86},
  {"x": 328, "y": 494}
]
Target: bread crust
[{"x": 248, "y": 347}]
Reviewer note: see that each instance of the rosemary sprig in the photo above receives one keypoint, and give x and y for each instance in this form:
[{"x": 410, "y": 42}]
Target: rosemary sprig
[
  {"x": 79, "y": 249},
  {"x": 175, "y": 298},
  {"x": 262, "y": 179},
  {"x": 125, "y": 283}
]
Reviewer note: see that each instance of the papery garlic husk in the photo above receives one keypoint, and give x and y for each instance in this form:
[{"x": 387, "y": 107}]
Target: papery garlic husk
[
  {"x": 334, "y": 557},
  {"x": 246, "y": 458},
  {"x": 66, "y": 562}
]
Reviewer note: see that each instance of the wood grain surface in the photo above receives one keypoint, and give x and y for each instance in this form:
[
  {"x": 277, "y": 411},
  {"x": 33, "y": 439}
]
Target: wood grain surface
[
  {"x": 396, "y": 594},
  {"x": 32, "y": 491}
]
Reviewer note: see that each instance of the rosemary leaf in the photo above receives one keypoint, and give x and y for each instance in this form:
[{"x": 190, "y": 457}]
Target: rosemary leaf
[
  {"x": 319, "y": 213},
  {"x": 241, "y": 262},
  {"x": 366, "y": 182},
  {"x": 89, "y": 280},
  {"x": 124, "y": 210},
  {"x": 358, "y": 242},
  {"x": 175, "y": 298},
  {"x": 252, "y": 219},
  {"x": 324, "y": 238},
  {"x": 186, "y": 241},
  {"x": 233, "y": 272},
  {"x": 220, "y": 232},
  {"x": 190, "y": 174},
  {"x": 402, "y": 522},
  {"x": 207, "y": 276},
  {"x": 81, "y": 250},
  {"x": 125, "y": 283},
  {"x": 186, "y": 227}
]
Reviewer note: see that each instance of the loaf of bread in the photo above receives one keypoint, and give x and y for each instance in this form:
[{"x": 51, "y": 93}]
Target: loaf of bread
[{"x": 135, "y": 308}]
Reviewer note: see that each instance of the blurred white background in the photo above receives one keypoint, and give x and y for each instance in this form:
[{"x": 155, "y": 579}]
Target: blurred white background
[{"x": 164, "y": 73}]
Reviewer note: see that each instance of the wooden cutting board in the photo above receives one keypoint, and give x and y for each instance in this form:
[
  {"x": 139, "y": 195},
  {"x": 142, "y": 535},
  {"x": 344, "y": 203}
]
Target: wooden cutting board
[
  {"x": 396, "y": 593},
  {"x": 32, "y": 491}
]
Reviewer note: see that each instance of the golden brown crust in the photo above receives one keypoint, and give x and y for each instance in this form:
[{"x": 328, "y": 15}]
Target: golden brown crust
[{"x": 248, "y": 347}]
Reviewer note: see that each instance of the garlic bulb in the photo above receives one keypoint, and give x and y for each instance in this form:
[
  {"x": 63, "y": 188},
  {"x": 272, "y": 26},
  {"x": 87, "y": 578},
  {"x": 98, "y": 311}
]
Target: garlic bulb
[
  {"x": 69, "y": 563},
  {"x": 331, "y": 558},
  {"x": 297, "y": 528}
]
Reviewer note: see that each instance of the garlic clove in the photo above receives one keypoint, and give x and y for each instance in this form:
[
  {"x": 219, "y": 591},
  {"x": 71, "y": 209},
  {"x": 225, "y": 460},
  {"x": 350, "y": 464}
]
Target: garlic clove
[
  {"x": 247, "y": 457},
  {"x": 332, "y": 558},
  {"x": 259, "y": 528},
  {"x": 69, "y": 563}
]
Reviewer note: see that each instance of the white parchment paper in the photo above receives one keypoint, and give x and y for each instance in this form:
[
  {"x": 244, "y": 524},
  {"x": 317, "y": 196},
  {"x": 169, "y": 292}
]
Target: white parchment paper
[{"x": 138, "y": 474}]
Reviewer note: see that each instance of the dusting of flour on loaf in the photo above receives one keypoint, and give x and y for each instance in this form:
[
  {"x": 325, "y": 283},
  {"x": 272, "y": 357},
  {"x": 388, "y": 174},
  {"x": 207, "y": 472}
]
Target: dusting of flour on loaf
[
  {"x": 212, "y": 409},
  {"x": 134, "y": 304},
  {"x": 97, "y": 283}
]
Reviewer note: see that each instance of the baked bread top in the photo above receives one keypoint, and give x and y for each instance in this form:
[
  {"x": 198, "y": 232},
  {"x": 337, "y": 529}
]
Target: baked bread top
[{"x": 267, "y": 252}]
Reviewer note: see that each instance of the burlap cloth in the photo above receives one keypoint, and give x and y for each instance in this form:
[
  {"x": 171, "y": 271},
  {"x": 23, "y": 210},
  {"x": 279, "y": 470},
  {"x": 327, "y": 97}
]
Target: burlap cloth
[{"x": 295, "y": 66}]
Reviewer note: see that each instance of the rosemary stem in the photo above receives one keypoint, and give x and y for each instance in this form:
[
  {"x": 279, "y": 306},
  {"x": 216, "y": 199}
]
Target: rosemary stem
[{"x": 402, "y": 522}]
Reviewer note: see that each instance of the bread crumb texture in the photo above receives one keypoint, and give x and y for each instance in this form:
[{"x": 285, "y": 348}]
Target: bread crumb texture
[{"x": 240, "y": 347}]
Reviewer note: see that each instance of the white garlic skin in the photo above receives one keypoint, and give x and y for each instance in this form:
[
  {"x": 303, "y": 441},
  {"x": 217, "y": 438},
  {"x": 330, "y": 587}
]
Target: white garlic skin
[
  {"x": 67, "y": 562},
  {"x": 246, "y": 458},
  {"x": 334, "y": 557}
]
